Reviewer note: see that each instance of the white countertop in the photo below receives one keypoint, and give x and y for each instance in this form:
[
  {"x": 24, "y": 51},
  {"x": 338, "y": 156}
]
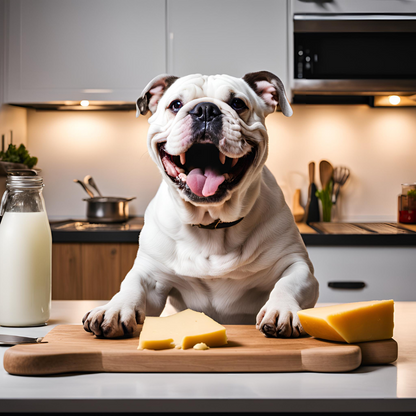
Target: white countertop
[{"x": 367, "y": 389}]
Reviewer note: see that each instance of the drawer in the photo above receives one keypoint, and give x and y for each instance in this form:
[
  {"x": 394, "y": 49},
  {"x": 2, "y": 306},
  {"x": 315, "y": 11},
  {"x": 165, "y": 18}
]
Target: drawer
[{"x": 353, "y": 274}]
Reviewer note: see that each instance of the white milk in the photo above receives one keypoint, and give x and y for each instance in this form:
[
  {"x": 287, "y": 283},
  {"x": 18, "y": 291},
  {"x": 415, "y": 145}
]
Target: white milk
[{"x": 25, "y": 268}]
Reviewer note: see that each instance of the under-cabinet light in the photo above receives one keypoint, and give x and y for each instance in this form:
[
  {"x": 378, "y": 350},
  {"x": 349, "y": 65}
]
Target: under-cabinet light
[{"x": 394, "y": 99}]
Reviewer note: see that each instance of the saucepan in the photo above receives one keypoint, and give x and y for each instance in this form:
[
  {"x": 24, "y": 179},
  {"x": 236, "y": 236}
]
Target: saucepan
[{"x": 104, "y": 209}]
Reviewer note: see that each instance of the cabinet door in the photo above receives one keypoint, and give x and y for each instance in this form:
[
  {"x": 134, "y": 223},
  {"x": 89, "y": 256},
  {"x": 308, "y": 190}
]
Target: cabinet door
[
  {"x": 66, "y": 271},
  {"x": 100, "y": 271},
  {"x": 231, "y": 37},
  {"x": 2, "y": 52},
  {"x": 90, "y": 271},
  {"x": 62, "y": 50},
  {"x": 387, "y": 273},
  {"x": 127, "y": 256}
]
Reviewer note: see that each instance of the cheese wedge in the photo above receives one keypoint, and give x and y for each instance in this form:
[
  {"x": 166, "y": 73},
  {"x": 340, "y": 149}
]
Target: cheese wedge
[
  {"x": 350, "y": 322},
  {"x": 181, "y": 330}
]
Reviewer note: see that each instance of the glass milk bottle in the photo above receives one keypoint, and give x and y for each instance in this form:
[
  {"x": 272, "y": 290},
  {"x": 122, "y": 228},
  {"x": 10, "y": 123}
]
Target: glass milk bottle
[{"x": 25, "y": 252}]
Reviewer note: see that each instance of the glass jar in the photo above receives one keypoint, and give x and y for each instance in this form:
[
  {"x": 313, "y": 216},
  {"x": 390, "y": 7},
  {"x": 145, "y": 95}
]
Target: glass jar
[
  {"x": 407, "y": 204},
  {"x": 25, "y": 252}
]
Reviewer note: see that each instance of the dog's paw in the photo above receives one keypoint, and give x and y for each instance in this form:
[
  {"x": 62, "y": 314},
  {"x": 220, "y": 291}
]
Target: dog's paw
[
  {"x": 279, "y": 319},
  {"x": 113, "y": 320}
]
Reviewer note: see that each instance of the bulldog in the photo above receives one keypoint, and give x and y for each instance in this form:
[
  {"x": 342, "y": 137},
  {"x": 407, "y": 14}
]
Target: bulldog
[{"x": 218, "y": 236}]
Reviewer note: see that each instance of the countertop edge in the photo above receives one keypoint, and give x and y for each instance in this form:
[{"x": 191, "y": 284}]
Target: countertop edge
[
  {"x": 95, "y": 236},
  {"x": 257, "y": 405},
  {"x": 308, "y": 239},
  {"x": 310, "y": 236},
  {"x": 359, "y": 239}
]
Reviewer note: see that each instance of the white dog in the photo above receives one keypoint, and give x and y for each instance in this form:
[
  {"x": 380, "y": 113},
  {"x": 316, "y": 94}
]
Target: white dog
[{"x": 218, "y": 236}]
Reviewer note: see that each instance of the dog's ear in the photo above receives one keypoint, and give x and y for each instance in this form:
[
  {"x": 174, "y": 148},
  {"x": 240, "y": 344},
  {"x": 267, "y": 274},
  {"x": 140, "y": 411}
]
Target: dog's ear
[
  {"x": 269, "y": 87},
  {"x": 153, "y": 93}
]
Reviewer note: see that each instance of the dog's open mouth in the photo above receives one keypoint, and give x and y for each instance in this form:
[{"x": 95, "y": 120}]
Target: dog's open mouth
[{"x": 204, "y": 170}]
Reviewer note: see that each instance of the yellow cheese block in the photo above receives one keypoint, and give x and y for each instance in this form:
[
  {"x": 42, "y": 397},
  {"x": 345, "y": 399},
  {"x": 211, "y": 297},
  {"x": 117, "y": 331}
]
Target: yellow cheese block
[
  {"x": 181, "y": 330},
  {"x": 350, "y": 322}
]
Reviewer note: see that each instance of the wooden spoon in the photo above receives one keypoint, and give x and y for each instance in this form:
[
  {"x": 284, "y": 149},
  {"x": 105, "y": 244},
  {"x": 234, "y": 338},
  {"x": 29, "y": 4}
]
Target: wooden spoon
[
  {"x": 298, "y": 211},
  {"x": 325, "y": 173}
]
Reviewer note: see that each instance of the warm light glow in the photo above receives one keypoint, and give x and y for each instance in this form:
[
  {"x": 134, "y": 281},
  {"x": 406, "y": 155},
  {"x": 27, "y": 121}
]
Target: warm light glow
[
  {"x": 394, "y": 99},
  {"x": 86, "y": 103}
]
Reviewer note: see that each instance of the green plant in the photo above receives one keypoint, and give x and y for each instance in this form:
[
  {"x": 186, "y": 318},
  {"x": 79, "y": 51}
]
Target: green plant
[
  {"x": 412, "y": 193},
  {"x": 18, "y": 155},
  {"x": 325, "y": 195}
]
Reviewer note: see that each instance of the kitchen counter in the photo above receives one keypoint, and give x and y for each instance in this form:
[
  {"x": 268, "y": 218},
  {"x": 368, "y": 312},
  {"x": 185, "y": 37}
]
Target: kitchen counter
[
  {"x": 359, "y": 234},
  {"x": 81, "y": 231},
  {"x": 315, "y": 234},
  {"x": 390, "y": 388}
]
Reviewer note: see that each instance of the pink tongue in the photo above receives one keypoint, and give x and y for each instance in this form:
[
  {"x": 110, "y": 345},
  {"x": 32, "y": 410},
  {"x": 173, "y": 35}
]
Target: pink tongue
[
  {"x": 196, "y": 181},
  {"x": 204, "y": 183}
]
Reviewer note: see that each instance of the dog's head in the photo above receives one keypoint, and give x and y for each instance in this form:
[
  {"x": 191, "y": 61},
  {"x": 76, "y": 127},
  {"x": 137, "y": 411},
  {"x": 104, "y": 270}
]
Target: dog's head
[{"x": 207, "y": 133}]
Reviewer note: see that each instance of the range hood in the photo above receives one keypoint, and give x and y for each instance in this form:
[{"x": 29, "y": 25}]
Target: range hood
[{"x": 354, "y": 58}]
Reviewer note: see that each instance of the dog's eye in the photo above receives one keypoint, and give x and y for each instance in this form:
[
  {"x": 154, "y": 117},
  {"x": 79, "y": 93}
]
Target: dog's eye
[
  {"x": 238, "y": 104},
  {"x": 175, "y": 105}
]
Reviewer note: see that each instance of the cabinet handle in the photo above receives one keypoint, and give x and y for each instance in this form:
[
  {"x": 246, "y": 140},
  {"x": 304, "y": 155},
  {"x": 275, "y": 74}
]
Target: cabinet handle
[{"x": 346, "y": 285}]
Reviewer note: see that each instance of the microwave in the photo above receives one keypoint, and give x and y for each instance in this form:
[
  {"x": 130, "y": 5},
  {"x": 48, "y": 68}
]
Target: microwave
[{"x": 354, "y": 54}]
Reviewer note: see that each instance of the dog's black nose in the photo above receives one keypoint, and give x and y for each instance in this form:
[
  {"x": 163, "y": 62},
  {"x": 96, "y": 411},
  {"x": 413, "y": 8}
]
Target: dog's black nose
[{"x": 205, "y": 111}]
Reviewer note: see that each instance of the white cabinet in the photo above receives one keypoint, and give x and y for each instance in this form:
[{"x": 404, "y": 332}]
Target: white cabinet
[
  {"x": 2, "y": 45},
  {"x": 106, "y": 50},
  {"x": 227, "y": 37},
  {"x": 388, "y": 272},
  {"x": 76, "y": 49}
]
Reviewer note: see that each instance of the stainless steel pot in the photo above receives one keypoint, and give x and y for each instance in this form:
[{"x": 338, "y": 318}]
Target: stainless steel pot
[{"x": 102, "y": 209}]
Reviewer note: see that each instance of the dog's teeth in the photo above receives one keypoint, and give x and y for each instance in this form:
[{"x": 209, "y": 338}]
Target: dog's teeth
[
  {"x": 222, "y": 157},
  {"x": 234, "y": 162},
  {"x": 183, "y": 158},
  {"x": 182, "y": 177},
  {"x": 226, "y": 176}
]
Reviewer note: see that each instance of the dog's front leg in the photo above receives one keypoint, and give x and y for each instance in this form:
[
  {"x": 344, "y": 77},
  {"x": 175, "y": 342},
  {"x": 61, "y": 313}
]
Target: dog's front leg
[
  {"x": 297, "y": 289},
  {"x": 140, "y": 295}
]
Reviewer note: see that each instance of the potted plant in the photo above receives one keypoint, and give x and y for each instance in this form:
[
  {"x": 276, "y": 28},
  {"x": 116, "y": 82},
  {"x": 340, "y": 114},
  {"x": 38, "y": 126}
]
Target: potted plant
[{"x": 16, "y": 158}]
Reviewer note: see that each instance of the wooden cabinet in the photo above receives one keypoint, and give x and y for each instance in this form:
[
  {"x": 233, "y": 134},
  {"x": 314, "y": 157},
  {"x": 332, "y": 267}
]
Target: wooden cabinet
[
  {"x": 231, "y": 37},
  {"x": 66, "y": 271},
  {"x": 90, "y": 271},
  {"x": 103, "y": 50}
]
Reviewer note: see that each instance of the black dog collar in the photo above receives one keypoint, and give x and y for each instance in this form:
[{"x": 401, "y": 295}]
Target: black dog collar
[{"x": 217, "y": 224}]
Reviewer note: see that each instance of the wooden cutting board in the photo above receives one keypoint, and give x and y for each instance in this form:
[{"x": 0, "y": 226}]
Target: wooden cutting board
[{"x": 71, "y": 349}]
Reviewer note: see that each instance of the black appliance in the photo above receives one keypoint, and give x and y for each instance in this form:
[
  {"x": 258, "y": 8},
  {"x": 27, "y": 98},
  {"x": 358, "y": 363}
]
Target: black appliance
[{"x": 354, "y": 54}]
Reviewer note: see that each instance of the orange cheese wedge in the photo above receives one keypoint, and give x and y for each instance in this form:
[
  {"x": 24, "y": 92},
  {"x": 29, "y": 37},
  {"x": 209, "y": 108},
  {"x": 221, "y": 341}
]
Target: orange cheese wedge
[
  {"x": 181, "y": 330},
  {"x": 350, "y": 322}
]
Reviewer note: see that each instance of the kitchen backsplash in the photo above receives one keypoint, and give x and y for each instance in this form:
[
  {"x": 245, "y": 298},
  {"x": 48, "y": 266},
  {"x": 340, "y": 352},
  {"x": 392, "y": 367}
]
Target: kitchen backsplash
[
  {"x": 378, "y": 145},
  {"x": 13, "y": 119}
]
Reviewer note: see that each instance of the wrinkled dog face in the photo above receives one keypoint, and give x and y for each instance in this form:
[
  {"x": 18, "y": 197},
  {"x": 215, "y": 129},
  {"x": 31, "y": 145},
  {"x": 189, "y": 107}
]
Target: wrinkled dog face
[{"x": 207, "y": 133}]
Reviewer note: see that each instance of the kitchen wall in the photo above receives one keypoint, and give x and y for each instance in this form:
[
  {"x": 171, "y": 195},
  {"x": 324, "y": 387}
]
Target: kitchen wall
[
  {"x": 376, "y": 144},
  {"x": 13, "y": 119},
  {"x": 110, "y": 146}
]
